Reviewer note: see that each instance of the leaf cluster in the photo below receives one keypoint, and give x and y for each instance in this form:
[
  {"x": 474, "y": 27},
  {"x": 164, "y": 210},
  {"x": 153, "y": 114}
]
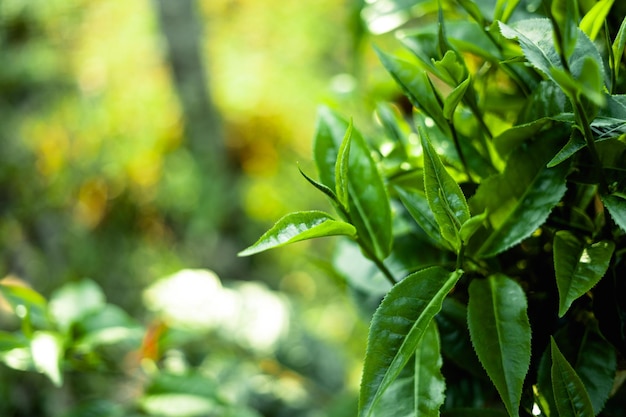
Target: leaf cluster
[{"x": 511, "y": 167}]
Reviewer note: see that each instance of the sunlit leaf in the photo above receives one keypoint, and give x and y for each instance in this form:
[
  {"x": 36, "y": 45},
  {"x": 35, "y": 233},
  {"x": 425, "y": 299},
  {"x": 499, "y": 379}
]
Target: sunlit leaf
[
  {"x": 397, "y": 328},
  {"x": 368, "y": 201},
  {"x": 75, "y": 300},
  {"x": 341, "y": 167},
  {"x": 571, "y": 398},
  {"x": 565, "y": 15},
  {"x": 616, "y": 205},
  {"x": 295, "y": 227},
  {"x": 454, "y": 98},
  {"x": 504, "y": 9},
  {"x": 47, "y": 353},
  {"x": 419, "y": 389},
  {"x": 500, "y": 332},
  {"x": 179, "y": 405},
  {"x": 578, "y": 267},
  {"x": 25, "y": 302},
  {"x": 445, "y": 198},
  {"x": 471, "y": 226},
  {"x": 593, "y": 21},
  {"x": 520, "y": 199},
  {"x": 9, "y": 341}
]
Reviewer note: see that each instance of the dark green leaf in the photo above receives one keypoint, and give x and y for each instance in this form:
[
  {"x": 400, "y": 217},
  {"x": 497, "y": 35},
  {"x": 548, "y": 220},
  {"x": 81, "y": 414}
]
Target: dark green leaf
[
  {"x": 368, "y": 202},
  {"x": 520, "y": 199},
  {"x": 416, "y": 85},
  {"x": 575, "y": 143},
  {"x": 299, "y": 226},
  {"x": 397, "y": 328},
  {"x": 419, "y": 389},
  {"x": 500, "y": 333},
  {"x": 578, "y": 267},
  {"x": 571, "y": 398},
  {"x": 417, "y": 206},
  {"x": 473, "y": 412},
  {"x": 445, "y": 198},
  {"x": 616, "y": 205},
  {"x": 618, "y": 48}
]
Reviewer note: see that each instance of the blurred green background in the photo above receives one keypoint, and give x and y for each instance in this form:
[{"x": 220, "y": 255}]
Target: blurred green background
[{"x": 142, "y": 145}]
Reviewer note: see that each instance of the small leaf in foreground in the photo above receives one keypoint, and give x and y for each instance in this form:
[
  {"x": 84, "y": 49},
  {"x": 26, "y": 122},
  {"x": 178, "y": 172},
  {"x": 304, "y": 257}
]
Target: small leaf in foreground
[
  {"x": 572, "y": 400},
  {"x": 299, "y": 226},
  {"x": 578, "y": 267},
  {"x": 500, "y": 333},
  {"x": 397, "y": 328},
  {"x": 616, "y": 205},
  {"x": 47, "y": 352}
]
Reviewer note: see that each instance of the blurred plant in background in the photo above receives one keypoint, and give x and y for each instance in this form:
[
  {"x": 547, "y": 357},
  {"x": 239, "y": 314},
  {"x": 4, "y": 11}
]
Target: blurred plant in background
[{"x": 109, "y": 183}]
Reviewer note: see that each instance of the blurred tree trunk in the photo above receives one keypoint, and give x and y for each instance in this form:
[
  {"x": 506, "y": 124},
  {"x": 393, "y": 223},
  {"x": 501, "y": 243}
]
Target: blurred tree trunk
[{"x": 211, "y": 233}]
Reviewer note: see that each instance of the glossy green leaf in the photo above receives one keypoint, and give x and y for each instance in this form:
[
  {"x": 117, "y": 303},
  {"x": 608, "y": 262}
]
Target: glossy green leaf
[
  {"x": 417, "y": 206},
  {"x": 397, "y": 328},
  {"x": 415, "y": 83},
  {"x": 520, "y": 199},
  {"x": 450, "y": 69},
  {"x": 500, "y": 333},
  {"x": 471, "y": 226},
  {"x": 368, "y": 201},
  {"x": 47, "y": 353},
  {"x": 419, "y": 389},
  {"x": 575, "y": 143},
  {"x": 616, "y": 205},
  {"x": 454, "y": 98},
  {"x": 445, "y": 198},
  {"x": 509, "y": 140},
  {"x": 295, "y": 227},
  {"x": 571, "y": 398},
  {"x": 535, "y": 38},
  {"x": 593, "y": 21},
  {"x": 341, "y": 167},
  {"x": 578, "y": 267}
]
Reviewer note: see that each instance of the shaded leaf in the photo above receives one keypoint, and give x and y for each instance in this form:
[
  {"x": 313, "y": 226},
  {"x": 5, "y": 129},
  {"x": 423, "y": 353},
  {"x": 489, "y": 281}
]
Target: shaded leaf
[
  {"x": 500, "y": 333},
  {"x": 25, "y": 302},
  {"x": 616, "y": 205},
  {"x": 471, "y": 226},
  {"x": 618, "y": 48},
  {"x": 445, "y": 198},
  {"x": 454, "y": 98},
  {"x": 578, "y": 267},
  {"x": 570, "y": 396},
  {"x": 397, "y": 328},
  {"x": 575, "y": 143},
  {"x": 295, "y": 227},
  {"x": 520, "y": 199},
  {"x": 417, "y": 206}
]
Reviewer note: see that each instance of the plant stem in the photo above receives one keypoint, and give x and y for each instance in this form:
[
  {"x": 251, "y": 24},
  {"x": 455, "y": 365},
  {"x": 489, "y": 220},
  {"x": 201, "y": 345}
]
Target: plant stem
[
  {"x": 379, "y": 264},
  {"x": 591, "y": 144}
]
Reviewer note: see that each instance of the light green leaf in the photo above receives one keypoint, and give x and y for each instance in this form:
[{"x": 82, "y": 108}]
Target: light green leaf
[
  {"x": 397, "y": 328},
  {"x": 368, "y": 201},
  {"x": 500, "y": 333},
  {"x": 618, "y": 48},
  {"x": 47, "y": 353},
  {"x": 295, "y": 227},
  {"x": 74, "y": 300},
  {"x": 25, "y": 302},
  {"x": 10, "y": 341},
  {"x": 417, "y": 206},
  {"x": 419, "y": 389},
  {"x": 415, "y": 83},
  {"x": 454, "y": 98},
  {"x": 616, "y": 205},
  {"x": 471, "y": 226},
  {"x": 520, "y": 199},
  {"x": 504, "y": 9},
  {"x": 565, "y": 14},
  {"x": 589, "y": 84},
  {"x": 341, "y": 168},
  {"x": 572, "y": 400},
  {"x": 450, "y": 69},
  {"x": 445, "y": 198},
  {"x": 578, "y": 267},
  {"x": 592, "y": 22}
]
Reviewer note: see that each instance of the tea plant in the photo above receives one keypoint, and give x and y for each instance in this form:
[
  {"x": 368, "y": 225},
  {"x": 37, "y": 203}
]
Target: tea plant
[{"x": 495, "y": 210}]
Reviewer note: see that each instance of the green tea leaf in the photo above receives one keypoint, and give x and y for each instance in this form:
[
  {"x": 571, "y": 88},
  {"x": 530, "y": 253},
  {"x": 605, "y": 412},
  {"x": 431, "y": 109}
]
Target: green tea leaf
[
  {"x": 616, "y": 205},
  {"x": 454, "y": 98},
  {"x": 47, "y": 353},
  {"x": 397, "y": 328},
  {"x": 500, "y": 333},
  {"x": 575, "y": 143},
  {"x": 520, "y": 199},
  {"x": 75, "y": 300},
  {"x": 565, "y": 15},
  {"x": 445, "y": 198},
  {"x": 26, "y": 303},
  {"x": 504, "y": 9},
  {"x": 10, "y": 341},
  {"x": 578, "y": 267},
  {"x": 416, "y": 85},
  {"x": 295, "y": 227},
  {"x": 471, "y": 226},
  {"x": 419, "y": 389},
  {"x": 417, "y": 206},
  {"x": 618, "y": 48},
  {"x": 341, "y": 167},
  {"x": 572, "y": 400},
  {"x": 368, "y": 201},
  {"x": 593, "y": 21}
]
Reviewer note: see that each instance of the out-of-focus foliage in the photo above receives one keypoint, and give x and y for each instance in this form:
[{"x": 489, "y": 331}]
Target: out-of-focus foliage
[{"x": 101, "y": 196}]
